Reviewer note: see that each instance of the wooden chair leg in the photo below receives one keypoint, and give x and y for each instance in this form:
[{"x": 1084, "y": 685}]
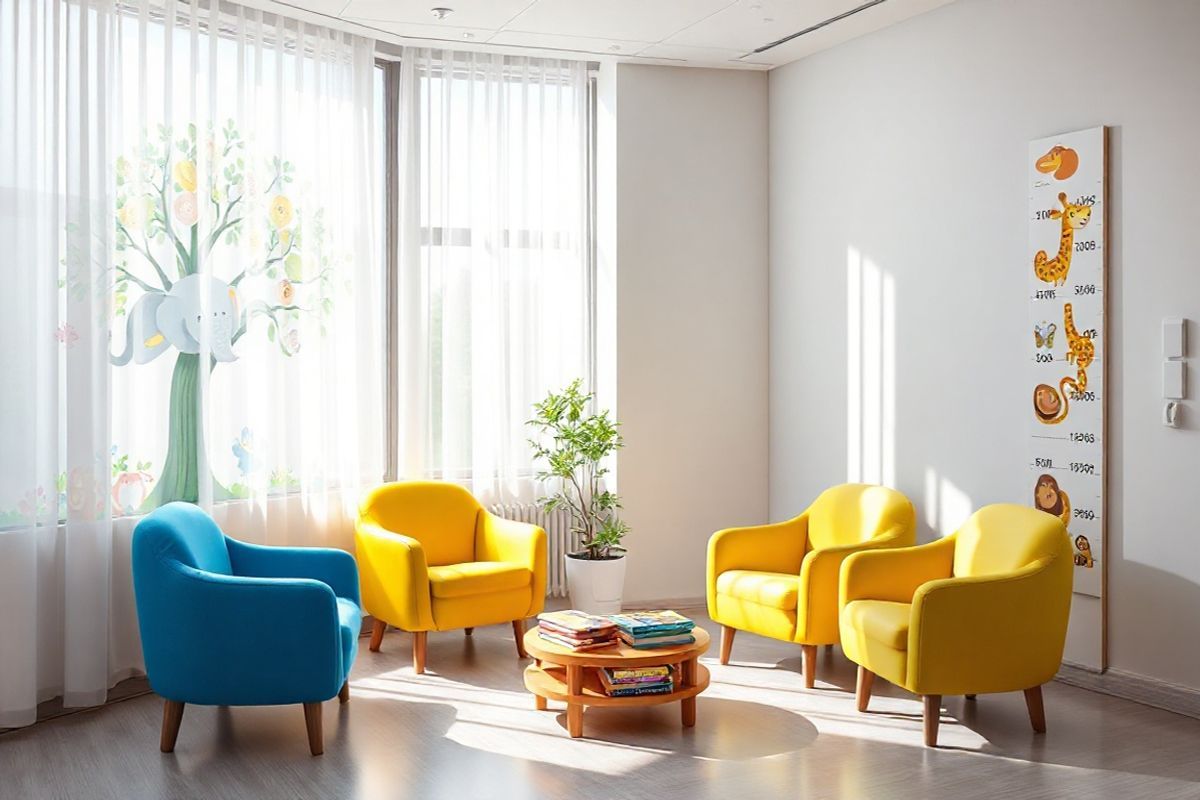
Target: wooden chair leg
[
  {"x": 519, "y": 637},
  {"x": 172, "y": 716},
  {"x": 862, "y": 688},
  {"x": 810, "y": 665},
  {"x": 933, "y": 714},
  {"x": 726, "y": 642},
  {"x": 344, "y": 693},
  {"x": 468, "y": 631},
  {"x": 1037, "y": 711},
  {"x": 312, "y": 721},
  {"x": 420, "y": 639},
  {"x": 377, "y": 635}
]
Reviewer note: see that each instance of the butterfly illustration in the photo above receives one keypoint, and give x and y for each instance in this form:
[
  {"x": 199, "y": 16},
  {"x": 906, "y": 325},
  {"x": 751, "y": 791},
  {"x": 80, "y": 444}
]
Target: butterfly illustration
[{"x": 1043, "y": 334}]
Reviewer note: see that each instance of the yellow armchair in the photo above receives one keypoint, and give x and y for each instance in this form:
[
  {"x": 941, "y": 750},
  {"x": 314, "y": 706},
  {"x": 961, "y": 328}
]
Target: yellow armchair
[
  {"x": 431, "y": 558},
  {"x": 781, "y": 580},
  {"x": 983, "y": 610}
]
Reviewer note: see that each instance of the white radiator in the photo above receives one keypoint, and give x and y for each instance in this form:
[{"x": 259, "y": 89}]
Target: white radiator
[{"x": 557, "y": 525}]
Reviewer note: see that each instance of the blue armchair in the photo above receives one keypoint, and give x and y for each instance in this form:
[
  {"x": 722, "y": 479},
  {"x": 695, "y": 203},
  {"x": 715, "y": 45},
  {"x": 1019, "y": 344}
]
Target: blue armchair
[{"x": 229, "y": 623}]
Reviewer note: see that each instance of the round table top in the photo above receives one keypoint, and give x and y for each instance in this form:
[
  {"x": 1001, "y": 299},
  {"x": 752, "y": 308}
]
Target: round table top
[{"x": 619, "y": 654}]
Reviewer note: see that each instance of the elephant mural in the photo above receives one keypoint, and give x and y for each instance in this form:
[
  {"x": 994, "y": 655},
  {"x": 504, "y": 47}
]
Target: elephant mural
[{"x": 196, "y": 309}]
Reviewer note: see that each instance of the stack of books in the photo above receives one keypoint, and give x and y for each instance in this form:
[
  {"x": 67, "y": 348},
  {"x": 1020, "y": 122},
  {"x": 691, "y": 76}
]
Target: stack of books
[
  {"x": 576, "y": 630},
  {"x": 636, "y": 680},
  {"x": 647, "y": 630}
]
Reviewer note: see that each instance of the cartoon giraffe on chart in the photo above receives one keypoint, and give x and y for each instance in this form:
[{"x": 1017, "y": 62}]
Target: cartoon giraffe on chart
[
  {"x": 1054, "y": 270},
  {"x": 1081, "y": 351},
  {"x": 1051, "y": 406}
]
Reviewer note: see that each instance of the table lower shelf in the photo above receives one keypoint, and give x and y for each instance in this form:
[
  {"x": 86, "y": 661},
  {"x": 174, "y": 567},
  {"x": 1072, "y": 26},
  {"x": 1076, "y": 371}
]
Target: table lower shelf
[{"x": 550, "y": 681}]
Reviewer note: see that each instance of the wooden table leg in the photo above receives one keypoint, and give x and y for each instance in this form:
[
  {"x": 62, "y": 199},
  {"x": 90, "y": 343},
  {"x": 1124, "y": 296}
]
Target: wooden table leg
[
  {"x": 688, "y": 705},
  {"x": 574, "y": 706}
]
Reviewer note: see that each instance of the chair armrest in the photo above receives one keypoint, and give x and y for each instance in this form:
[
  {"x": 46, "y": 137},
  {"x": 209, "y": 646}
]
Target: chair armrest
[
  {"x": 336, "y": 568},
  {"x": 231, "y": 640},
  {"x": 500, "y": 539},
  {"x": 895, "y": 573},
  {"x": 777, "y": 547},
  {"x": 819, "y": 575},
  {"x": 990, "y": 633},
  {"x": 394, "y": 577}
]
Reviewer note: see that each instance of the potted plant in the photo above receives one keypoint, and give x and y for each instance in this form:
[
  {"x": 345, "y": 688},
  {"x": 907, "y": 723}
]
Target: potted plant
[{"x": 574, "y": 446}]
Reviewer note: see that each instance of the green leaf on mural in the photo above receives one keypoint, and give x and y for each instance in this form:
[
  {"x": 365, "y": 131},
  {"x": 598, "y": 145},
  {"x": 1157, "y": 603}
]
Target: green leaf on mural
[{"x": 292, "y": 267}]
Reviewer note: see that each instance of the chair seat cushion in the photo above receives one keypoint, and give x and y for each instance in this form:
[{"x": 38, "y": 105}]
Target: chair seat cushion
[
  {"x": 884, "y": 621},
  {"x": 350, "y": 623},
  {"x": 772, "y": 589},
  {"x": 477, "y": 577}
]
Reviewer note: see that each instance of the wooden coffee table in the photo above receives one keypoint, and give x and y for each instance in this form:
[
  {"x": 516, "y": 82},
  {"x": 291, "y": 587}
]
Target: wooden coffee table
[{"x": 569, "y": 677}]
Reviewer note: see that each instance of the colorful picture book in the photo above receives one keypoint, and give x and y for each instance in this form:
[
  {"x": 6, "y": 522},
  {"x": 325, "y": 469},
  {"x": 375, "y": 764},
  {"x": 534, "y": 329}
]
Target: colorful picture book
[
  {"x": 658, "y": 682},
  {"x": 576, "y": 630},
  {"x": 652, "y": 642},
  {"x": 621, "y": 674},
  {"x": 578, "y": 645},
  {"x": 575, "y": 622},
  {"x": 652, "y": 623}
]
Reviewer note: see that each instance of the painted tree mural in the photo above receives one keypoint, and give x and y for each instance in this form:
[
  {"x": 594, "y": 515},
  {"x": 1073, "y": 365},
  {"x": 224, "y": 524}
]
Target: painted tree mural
[{"x": 217, "y": 252}]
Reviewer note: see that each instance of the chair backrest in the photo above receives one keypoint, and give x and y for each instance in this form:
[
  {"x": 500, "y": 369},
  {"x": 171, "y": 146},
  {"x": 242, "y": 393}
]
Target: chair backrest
[
  {"x": 855, "y": 512},
  {"x": 1005, "y": 537},
  {"x": 441, "y": 516},
  {"x": 179, "y": 532}
]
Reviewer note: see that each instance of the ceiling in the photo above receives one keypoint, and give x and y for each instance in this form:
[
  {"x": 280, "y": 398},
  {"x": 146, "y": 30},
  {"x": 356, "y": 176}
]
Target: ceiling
[{"x": 700, "y": 33}]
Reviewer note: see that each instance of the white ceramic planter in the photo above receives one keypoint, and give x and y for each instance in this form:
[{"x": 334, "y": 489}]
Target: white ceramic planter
[{"x": 596, "y": 586}]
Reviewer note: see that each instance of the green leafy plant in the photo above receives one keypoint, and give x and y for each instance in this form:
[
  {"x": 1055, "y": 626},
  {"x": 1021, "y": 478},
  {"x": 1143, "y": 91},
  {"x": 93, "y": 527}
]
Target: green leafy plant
[{"x": 574, "y": 445}]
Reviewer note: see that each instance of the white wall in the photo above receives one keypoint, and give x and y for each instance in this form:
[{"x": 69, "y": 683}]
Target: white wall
[
  {"x": 691, "y": 275},
  {"x": 908, "y": 146}
]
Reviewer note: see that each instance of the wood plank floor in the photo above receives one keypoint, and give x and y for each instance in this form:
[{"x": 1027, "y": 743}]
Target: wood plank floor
[{"x": 468, "y": 729}]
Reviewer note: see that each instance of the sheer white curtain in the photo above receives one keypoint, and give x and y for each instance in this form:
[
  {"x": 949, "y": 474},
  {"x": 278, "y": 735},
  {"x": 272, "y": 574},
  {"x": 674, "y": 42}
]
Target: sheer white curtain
[
  {"x": 55, "y": 207},
  {"x": 247, "y": 211},
  {"x": 494, "y": 284},
  {"x": 193, "y": 305}
]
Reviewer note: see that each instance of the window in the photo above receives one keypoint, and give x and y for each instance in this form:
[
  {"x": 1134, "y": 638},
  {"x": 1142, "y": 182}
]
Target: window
[{"x": 494, "y": 269}]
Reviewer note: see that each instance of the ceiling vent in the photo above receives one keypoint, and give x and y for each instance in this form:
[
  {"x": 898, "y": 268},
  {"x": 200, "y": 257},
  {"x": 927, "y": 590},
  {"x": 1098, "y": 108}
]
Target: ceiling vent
[{"x": 816, "y": 27}]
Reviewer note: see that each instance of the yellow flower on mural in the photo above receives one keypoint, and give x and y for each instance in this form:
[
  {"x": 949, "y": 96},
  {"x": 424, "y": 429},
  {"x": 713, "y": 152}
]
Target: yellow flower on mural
[
  {"x": 185, "y": 175},
  {"x": 281, "y": 211},
  {"x": 128, "y": 214}
]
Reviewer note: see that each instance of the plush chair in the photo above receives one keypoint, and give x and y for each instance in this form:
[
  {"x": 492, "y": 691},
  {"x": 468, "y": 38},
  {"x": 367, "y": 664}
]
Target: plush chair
[
  {"x": 234, "y": 624},
  {"x": 983, "y": 610},
  {"x": 781, "y": 580},
  {"x": 433, "y": 559}
]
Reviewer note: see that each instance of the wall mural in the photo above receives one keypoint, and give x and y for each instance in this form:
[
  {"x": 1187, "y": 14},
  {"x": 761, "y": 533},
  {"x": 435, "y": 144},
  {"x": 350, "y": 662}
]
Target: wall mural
[
  {"x": 201, "y": 287},
  {"x": 1066, "y": 268}
]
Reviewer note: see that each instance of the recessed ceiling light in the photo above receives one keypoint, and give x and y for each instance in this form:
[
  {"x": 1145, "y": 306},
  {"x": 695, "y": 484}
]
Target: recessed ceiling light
[
  {"x": 768, "y": 19},
  {"x": 614, "y": 47},
  {"x": 468, "y": 35},
  {"x": 441, "y": 13}
]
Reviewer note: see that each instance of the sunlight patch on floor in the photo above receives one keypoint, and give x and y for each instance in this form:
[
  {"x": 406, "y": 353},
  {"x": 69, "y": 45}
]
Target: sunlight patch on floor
[{"x": 787, "y": 716}]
